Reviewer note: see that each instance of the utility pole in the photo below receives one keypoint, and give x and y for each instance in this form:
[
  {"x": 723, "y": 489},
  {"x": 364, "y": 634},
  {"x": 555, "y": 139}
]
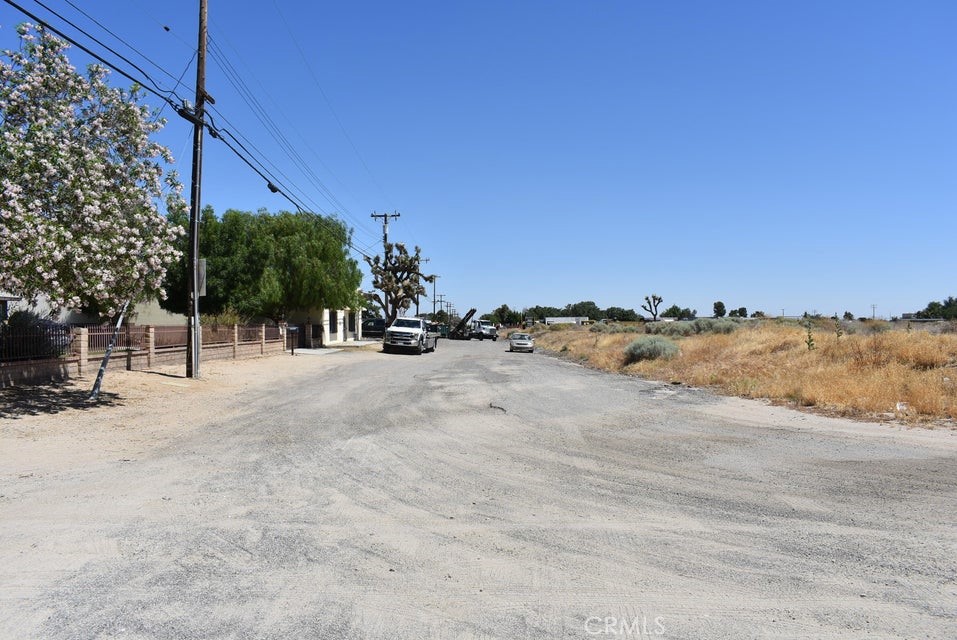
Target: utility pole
[
  {"x": 194, "y": 335},
  {"x": 419, "y": 267},
  {"x": 385, "y": 248},
  {"x": 434, "y": 278}
]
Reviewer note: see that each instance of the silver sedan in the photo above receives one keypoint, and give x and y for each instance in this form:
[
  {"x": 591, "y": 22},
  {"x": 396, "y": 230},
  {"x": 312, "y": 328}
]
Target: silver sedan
[{"x": 521, "y": 342}]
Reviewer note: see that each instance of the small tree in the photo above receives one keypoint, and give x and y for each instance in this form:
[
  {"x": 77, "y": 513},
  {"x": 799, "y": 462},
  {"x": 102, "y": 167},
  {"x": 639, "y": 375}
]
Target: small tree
[
  {"x": 676, "y": 312},
  {"x": 651, "y": 305},
  {"x": 505, "y": 316},
  {"x": 621, "y": 314},
  {"x": 719, "y": 309}
]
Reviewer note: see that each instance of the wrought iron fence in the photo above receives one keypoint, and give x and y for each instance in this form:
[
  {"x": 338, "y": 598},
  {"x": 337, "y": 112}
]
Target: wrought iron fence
[{"x": 41, "y": 342}]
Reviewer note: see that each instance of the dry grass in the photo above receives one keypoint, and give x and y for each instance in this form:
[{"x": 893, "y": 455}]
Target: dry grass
[{"x": 908, "y": 375}]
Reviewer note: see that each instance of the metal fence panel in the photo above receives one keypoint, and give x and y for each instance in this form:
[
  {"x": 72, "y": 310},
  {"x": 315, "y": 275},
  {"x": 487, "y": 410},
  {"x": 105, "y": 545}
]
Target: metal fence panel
[{"x": 39, "y": 343}]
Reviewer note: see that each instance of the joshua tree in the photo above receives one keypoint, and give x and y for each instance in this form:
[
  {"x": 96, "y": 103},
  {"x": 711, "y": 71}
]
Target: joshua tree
[{"x": 651, "y": 305}]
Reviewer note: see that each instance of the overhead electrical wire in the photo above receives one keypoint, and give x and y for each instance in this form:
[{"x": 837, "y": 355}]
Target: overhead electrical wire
[
  {"x": 181, "y": 110},
  {"x": 326, "y": 99},
  {"x": 225, "y": 62},
  {"x": 92, "y": 19},
  {"x": 108, "y": 48},
  {"x": 265, "y": 118}
]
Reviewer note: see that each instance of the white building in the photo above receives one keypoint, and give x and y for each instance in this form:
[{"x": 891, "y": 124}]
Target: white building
[{"x": 579, "y": 320}]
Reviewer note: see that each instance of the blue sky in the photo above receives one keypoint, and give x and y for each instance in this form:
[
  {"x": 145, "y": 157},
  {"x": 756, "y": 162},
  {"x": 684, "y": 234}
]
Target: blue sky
[{"x": 777, "y": 156}]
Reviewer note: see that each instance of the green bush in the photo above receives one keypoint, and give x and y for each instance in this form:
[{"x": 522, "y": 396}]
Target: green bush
[
  {"x": 683, "y": 328},
  {"x": 616, "y": 328},
  {"x": 227, "y": 318},
  {"x": 678, "y": 328},
  {"x": 712, "y": 325},
  {"x": 650, "y": 348}
]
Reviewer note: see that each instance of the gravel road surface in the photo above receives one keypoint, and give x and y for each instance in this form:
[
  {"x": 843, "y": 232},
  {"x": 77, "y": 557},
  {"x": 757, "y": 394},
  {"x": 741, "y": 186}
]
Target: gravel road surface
[{"x": 466, "y": 493}]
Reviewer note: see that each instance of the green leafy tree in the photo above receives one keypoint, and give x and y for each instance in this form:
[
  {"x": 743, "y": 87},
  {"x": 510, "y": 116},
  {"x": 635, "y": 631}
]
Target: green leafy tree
[
  {"x": 309, "y": 266},
  {"x": 539, "y": 313},
  {"x": 676, "y": 312},
  {"x": 719, "y": 309},
  {"x": 264, "y": 265},
  {"x": 80, "y": 179},
  {"x": 947, "y": 310},
  {"x": 621, "y": 314},
  {"x": 584, "y": 309},
  {"x": 505, "y": 316}
]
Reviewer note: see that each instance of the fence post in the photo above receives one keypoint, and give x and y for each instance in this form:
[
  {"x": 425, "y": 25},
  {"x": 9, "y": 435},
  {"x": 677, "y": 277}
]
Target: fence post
[
  {"x": 83, "y": 339},
  {"x": 150, "y": 346},
  {"x": 262, "y": 339},
  {"x": 235, "y": 341}
]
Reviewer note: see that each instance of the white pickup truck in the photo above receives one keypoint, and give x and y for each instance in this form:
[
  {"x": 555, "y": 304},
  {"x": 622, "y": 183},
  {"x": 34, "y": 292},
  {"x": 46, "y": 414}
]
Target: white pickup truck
[{"x": 410, "y": 334}]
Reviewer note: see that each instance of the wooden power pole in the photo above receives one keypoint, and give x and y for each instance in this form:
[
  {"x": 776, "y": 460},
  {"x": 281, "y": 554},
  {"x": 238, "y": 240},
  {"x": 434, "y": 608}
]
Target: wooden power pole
[
  {"x": 194, "y": 334},
  {"x": 385, "y": 248}
]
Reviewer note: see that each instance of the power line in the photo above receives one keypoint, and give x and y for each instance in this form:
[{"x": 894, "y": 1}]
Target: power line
[
  {"x": 264, "y": 116},
  {"x": 326, "y": 99},
  {"x": 248, "y": 158},
  {"x": 92, "y": 19},
  {"x": 48, "y": 26}
]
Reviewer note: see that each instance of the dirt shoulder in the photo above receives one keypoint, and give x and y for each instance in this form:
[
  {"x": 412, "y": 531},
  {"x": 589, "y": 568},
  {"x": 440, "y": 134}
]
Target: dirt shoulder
[{"x": 54, "y": 427}]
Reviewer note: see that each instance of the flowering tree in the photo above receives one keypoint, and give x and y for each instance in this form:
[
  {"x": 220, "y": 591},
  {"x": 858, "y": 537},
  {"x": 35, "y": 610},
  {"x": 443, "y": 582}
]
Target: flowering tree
[{"x": 80, "y": 179}]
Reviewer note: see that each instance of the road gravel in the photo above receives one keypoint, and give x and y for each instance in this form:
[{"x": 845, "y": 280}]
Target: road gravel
[{"x": 466, "y": 493}]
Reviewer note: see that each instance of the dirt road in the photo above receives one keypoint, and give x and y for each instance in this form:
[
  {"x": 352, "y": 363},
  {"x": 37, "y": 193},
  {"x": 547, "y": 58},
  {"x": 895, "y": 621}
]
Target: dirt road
[{"x": 468, "y": 493}]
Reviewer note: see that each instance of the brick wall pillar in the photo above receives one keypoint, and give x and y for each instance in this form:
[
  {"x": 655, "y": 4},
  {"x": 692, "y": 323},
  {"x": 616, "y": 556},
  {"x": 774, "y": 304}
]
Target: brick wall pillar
[
  {"x": 82, "y": 337},
  {"x": 150, "y": 346}
]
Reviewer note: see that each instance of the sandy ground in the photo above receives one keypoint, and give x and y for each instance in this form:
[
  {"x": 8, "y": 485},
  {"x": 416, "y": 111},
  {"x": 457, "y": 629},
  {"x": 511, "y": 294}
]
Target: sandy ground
[
  {"x": 55, "y": 427},
  {"x": 468, "y": 493}
]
